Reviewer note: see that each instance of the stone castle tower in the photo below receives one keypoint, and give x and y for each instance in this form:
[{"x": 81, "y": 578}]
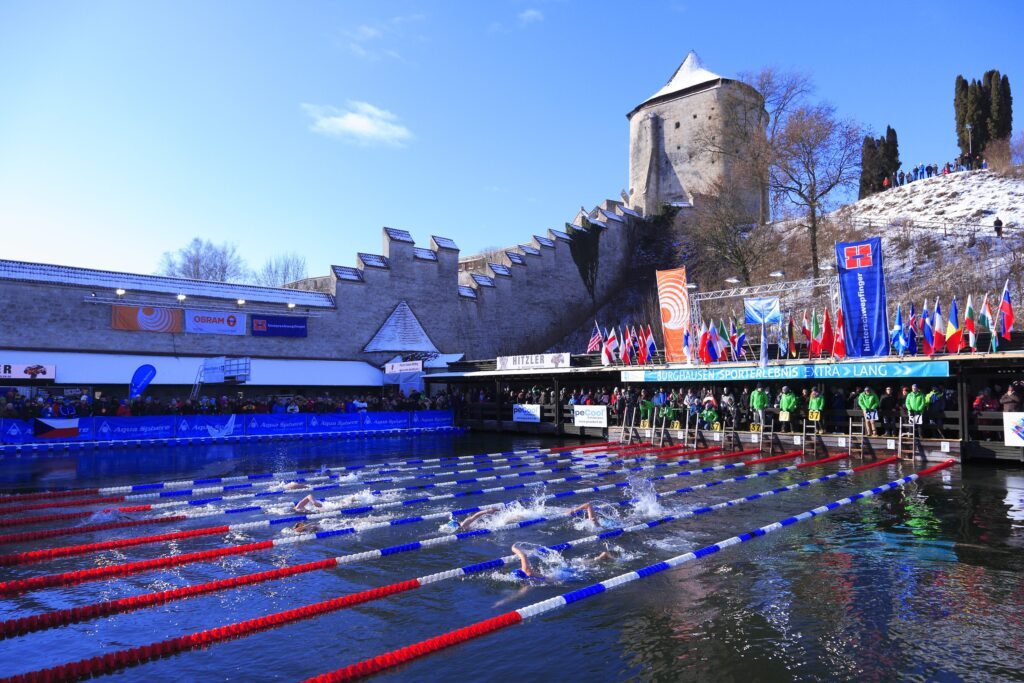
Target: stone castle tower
[{"x": 666, "y": 164}]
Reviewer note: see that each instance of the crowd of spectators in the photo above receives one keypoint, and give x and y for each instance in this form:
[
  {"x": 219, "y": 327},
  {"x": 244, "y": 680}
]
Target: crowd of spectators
[
  {"x": 922, "y": 171},
  {"x": 759, "y": 403},
  {"x": 16, "y": 405}
]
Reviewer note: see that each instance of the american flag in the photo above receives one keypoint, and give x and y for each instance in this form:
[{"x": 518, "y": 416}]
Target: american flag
[{"x": 594, "y": 345}]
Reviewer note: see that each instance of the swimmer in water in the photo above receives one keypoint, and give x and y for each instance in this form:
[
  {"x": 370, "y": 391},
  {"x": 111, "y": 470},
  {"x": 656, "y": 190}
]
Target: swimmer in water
[
  {"x": 307, "y": 501},
  {"x": 294, "y": 486},
  {"x": 527, "y": 571}
]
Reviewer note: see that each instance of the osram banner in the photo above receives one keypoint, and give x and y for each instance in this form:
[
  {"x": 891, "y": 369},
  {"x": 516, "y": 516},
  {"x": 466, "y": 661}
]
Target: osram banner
[
  {"x": 862, "y": 291},
  {"x": 147, "y": 319},
  {"x": 214, "y": 322},
  {"x": 674, "y": 300}
]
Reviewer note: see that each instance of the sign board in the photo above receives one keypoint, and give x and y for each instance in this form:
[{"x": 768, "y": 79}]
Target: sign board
[
  {"x": 526, "y": 412},
  {"x": 278, "y": 326},
  {"x": 859, "y": 370},
  {"x": 35, "y": 371},
  {"x": 536, "y": 361},
  {"x": 862, "y": 289},
  {"x": 146, "y": 319},
  {"x": 1013, "y": 429},
  {"x": 214, "y": 322},
  {"x": 590, "y": 416},
  {"x": 407, "y": 366}
]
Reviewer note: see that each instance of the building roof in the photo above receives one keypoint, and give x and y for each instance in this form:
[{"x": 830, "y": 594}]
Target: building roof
[
  {"x": 134, "y": 282},
  {"x": 402, "y": 331},
  {"x": 689, "y": 74}
]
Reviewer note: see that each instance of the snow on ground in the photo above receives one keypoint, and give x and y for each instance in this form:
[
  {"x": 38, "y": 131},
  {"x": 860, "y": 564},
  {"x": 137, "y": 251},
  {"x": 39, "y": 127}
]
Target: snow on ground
[{"x": 972, "y": 197}]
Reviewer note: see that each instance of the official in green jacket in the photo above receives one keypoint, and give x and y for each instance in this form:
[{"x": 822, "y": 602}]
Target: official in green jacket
[
  {"x": 758, "y": 402},
  {"x": 915, "y": 404},
  {"x": 868, "y": 402},
  {"x": 816, "y": 403},
  {"x": 788, "y": 403},
  {"x": 708, "y": 417}
]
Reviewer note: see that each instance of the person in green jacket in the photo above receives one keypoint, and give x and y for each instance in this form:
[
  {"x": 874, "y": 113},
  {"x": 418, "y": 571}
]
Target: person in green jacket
[
  {"x": 788, "y": 403},
  {"x": 868, "y": 402},
  {"x": 758, "y": 402},
  {"x": 915, "y": 404},
  {"x": 708, "y": 417},
  {"x": 816, "y": 403}
]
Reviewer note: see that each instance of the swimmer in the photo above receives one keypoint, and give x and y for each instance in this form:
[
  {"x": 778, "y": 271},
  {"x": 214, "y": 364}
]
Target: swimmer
[
  {"x": 294, "y": 486},
  {"x": 473, "y": 518},
  {"x": 526, "y": 570},
  {"x": 307, "y": 501},
  {"x": 608, "y": 519}
]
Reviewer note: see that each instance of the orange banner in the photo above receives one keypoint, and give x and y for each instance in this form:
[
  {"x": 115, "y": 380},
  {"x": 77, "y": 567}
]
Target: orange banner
[
  {"x": 674, "y": 299},
  {"x": 147, "y": 319}
]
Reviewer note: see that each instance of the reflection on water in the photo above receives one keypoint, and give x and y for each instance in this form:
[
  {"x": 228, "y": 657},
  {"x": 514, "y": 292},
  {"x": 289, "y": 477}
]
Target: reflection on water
[{"x": 919, "y": 584}]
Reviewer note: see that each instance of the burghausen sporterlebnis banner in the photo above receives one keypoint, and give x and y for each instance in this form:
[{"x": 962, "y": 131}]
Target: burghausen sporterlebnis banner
[{"x": 862, "y": 291}]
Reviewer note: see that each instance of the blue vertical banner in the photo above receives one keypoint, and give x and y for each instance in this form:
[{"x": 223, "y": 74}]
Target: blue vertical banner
[
  {"x": 862, "y": 291},
  {"x": 140, "y": 380}
]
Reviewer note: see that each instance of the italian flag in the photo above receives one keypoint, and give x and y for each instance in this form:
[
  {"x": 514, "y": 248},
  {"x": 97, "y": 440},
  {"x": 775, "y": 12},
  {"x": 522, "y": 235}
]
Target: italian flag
[
  {"x": 970, "y": 331},
  {"x": 987, "y": 321}
]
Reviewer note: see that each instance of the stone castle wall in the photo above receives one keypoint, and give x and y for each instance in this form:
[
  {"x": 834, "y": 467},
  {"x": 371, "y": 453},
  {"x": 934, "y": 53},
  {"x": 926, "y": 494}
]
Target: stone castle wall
[{"x": 530, "y": 299}]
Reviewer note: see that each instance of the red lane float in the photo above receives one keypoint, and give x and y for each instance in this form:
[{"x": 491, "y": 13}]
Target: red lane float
[
  {"x": 41, "y": 495},
  {"x": 62, "y": 504},
  {"x": 24, "y": 536},
  {"x": 39, "y": 519},
  {"x": 732, "y": 454}
]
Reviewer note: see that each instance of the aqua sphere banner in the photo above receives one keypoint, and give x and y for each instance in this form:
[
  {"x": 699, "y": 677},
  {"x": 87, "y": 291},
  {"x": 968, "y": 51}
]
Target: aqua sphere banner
[
  {"x": 220, "y": 426},
  {"x": 862, "y": 290}
]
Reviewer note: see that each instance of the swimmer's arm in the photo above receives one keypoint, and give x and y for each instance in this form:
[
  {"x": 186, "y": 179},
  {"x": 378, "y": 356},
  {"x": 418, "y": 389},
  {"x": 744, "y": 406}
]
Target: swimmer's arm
[{"x": 524, "y": 563}]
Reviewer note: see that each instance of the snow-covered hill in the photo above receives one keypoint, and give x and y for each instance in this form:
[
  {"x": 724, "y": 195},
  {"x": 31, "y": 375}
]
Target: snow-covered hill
[{"x": 973, "y": 197}]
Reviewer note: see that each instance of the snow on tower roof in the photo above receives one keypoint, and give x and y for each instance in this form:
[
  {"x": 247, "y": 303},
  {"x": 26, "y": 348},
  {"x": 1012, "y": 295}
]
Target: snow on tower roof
[{"x": 689, "y": 74}]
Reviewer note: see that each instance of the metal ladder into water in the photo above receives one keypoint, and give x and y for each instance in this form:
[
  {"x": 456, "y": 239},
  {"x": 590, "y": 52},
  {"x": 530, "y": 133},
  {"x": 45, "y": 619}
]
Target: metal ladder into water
[
  {"x": 855, "y": 445},
  {"x": 906, "y": 446}
]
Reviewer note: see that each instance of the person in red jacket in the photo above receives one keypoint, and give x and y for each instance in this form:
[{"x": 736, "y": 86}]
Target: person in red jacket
[{"x": 123, "y": 410}]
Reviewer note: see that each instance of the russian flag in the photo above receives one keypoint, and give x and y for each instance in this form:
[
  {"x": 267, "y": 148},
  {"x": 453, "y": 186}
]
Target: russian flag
[
  {"x": 1006, "y": 312},
  {"x": 55, "y": 428}
]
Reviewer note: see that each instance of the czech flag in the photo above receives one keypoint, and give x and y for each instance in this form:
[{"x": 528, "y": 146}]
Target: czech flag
[{"x": 55, "y": 428}]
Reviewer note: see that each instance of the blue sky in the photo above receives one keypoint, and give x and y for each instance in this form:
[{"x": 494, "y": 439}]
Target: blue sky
[{"x": 127, "y": 128}]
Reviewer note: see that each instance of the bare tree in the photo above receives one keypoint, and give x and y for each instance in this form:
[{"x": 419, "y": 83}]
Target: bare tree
[
  {"x": 817, "y": 154},
  {"x": 281, "y": 270},
  {"x": 726, "y": 231},
  {"x": 204, "y": 260}
]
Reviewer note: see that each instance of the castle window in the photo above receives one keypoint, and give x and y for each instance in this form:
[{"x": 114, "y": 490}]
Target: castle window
[{"x": 677, "y": 124}]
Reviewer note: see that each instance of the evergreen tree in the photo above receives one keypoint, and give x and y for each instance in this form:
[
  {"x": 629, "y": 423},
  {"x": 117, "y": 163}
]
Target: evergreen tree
[
  {"x": 960, "y": 112},
  {"x": 977, "y": 117},
  {"x": 870, "y": 167},
  {"x": 891, "y": 152},
  {"x": 995, "y": 118},
  {"x": 1004, "y": 125}
]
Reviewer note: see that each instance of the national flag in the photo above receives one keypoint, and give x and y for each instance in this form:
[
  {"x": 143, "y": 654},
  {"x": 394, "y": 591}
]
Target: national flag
[
  {"x": 641, "y": 348},
  {"x": 652, "y": 347},
  {"x": 927, "y": 338},
  {"x": 987, "y": 321},
  {"x": 594, "y": 345},
  {"x": 938, "y": 329},
  {"x": 55, "y": 428},
  {"x": 763, "y": 361},
  {"x": 714, "y": 343},
  {"x": 739, "y": 344},
  {"x": 611, "y": 343},
  {"x": 723, "y": 342},
  {"x": 1005, "y": 313},
  {"x": 806, "y": 330},
  {"x": 954, "y": 333},
  {"x": 635, "y": 339},
  {"x": 970, "y": 327},
  {"x": 626, "y": 353},
  {"x": 913, "y": 329},
  {"x": 791, "y": 335},
  {"x": 828, "y": 339},
  {"x": 839, "y": 345},
  {"x": 899, "y": 334},
  {"x": 687, "y": 346},
  {"x": 702, "y": 344},
  {"x": 813, "y": 347}
]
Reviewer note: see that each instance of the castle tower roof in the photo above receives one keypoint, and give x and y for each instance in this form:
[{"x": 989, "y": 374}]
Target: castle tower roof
[{"x": 689, "y": 74}]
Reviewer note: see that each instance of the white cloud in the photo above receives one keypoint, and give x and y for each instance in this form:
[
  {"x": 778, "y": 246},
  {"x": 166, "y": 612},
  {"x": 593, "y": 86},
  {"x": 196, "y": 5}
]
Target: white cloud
[
  {"x": 360, "y": 123},
  {"x": 530, "y": 16},
  {"x": 364, "y": 33}
]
